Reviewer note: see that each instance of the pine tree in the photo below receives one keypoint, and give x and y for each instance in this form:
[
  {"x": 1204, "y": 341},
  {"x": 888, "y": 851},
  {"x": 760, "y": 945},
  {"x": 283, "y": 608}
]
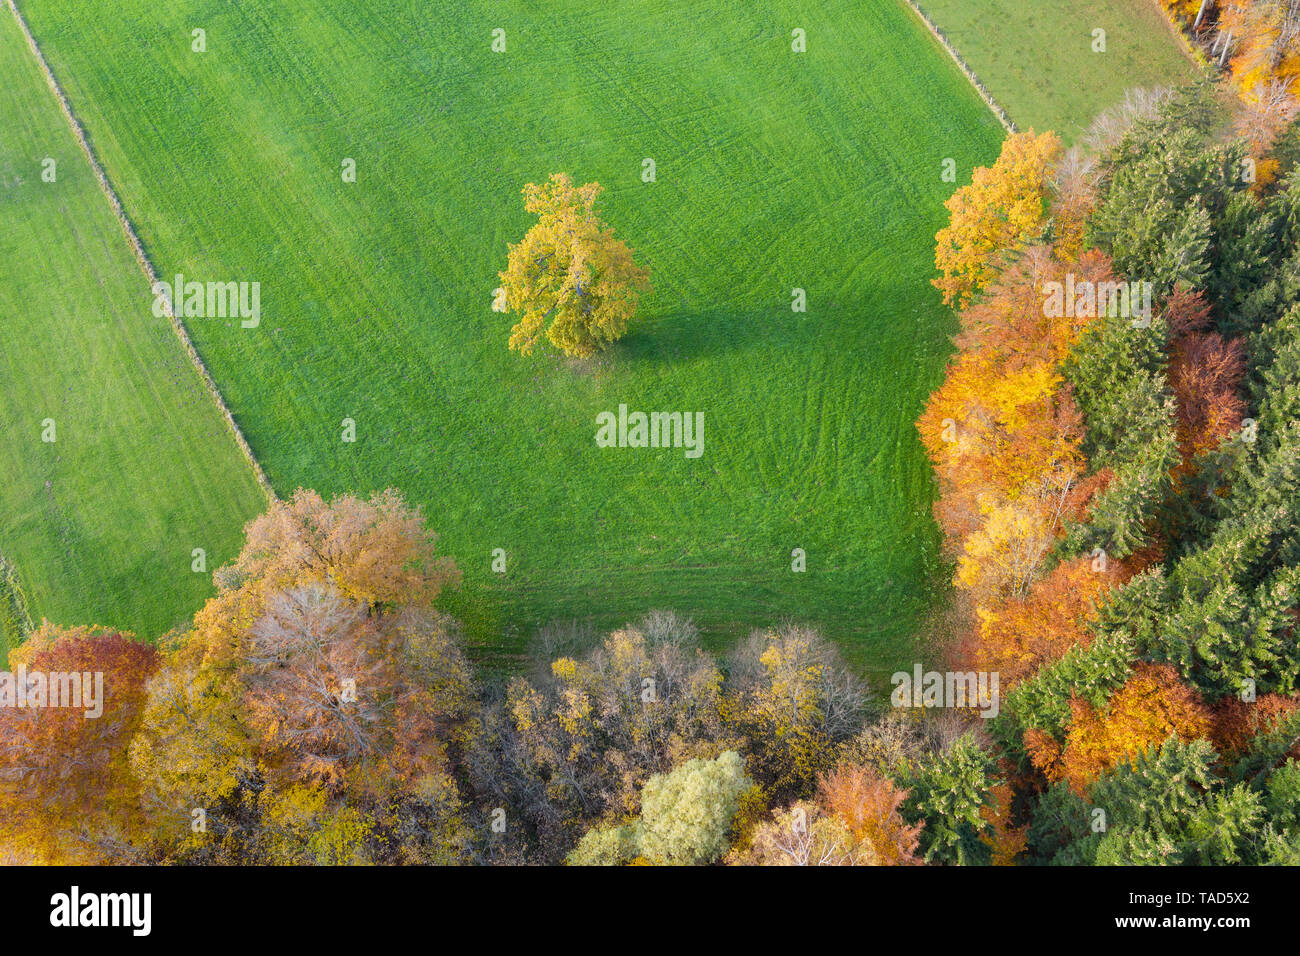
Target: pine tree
[{"x": 948, "y": 795}]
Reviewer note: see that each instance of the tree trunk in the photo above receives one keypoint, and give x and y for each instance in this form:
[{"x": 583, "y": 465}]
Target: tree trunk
[{"x": 1200, "y": 14}]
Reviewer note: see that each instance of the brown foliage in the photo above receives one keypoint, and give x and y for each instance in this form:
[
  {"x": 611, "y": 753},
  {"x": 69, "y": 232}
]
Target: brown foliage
[
  {"x": 330, "y": 686},
  {"x": 1205, "y": 373},
  {"x": 1237, "y": 723}
]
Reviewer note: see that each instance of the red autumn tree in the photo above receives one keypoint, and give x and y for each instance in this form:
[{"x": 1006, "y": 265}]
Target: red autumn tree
[
  {"x": 1238, "y": 722},
  {"x": 68, "y": 791},
  {"x": 1205, "y": 373}
]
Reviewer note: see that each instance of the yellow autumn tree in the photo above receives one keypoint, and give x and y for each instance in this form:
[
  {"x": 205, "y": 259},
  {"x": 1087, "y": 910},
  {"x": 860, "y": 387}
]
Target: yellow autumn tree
[
  {"x": 1182, "y": 9},
  {"x": 570, "y": 271},
  {"x": 792, "y": 702},
  {"x": 1262, "y": 38},
  {"x": 1000, "y": 211},
  {"x": 1003, "y": 556}
]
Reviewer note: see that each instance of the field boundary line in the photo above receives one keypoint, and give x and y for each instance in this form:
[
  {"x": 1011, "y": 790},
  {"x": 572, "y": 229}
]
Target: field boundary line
[
  {"x": 1002, "y": 115},
  {"x": 137, "y": 248},
  {"x": 1187, "y": 42},
  {"x": 15, "y": 618}
]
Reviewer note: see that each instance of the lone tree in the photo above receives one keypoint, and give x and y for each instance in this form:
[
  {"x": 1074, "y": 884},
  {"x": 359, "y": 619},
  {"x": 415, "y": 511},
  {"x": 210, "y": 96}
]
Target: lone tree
[{"x": 571, "y": 271}]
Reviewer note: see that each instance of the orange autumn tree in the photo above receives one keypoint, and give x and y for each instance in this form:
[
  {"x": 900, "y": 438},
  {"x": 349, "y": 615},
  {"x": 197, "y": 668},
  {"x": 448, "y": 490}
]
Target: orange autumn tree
[
  {"x": 1015, "y": 637},
  {"x": 867, "y": 804},
  {"x": 1003, "y": 431},
  {"x": 1260, "y": 42},
  {"x": 319, "y": 688},
  {"x": 375, "y": 551},
  {"x": 989, "y": 435},
  {"x": 1000, "y": 211},
  {"x": 1002, "y": 417},
  {"x": 67, "y": 793},
  {"x": 1263, "y": 38},
  {"x": 1005, "y": 840},
  {"x": 1153, "y": 704},
  {"x": 1262, "y": 116},
  {"x": 1023, "y": 319},
  {"x": 336, "y": 695}
]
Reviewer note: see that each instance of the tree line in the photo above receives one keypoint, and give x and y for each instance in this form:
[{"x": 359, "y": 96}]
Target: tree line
[
  {"x": 320, "y": 709},
  {"x": 1119, "y": 492}
]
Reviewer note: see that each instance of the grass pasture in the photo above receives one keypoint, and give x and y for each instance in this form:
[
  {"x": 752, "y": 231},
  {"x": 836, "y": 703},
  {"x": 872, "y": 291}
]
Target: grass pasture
[
  {"x": 100, "y": 523},
  {"x": 775, "y": 170},
  {"x": 1036, "y": 56}
]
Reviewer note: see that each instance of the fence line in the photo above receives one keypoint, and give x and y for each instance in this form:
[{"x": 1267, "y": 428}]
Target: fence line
[
  {"x": 1003, "y": 117},
  {"x": 137, "y": 248},
  {"x": 15, "y": 620}
]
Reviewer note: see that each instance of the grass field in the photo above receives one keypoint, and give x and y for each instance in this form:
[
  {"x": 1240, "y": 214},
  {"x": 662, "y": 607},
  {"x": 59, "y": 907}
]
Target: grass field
[
  {"x": 1036, "y": 56},
  {"x": 775, "y": 170},
  {"x": 101, "y": 522}
]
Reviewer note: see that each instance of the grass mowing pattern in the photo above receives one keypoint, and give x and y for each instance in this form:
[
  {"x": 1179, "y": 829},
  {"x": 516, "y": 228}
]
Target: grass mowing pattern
[
  {"x": 1036, "y": 58},
  {"x": 775, "y": 170},
  {"x": 100, "y": 524}
]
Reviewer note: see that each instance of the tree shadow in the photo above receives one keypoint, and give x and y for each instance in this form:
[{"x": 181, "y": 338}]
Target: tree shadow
[
  {"x": 887, "y": 307},
  {"x": 689, "y": 336}
]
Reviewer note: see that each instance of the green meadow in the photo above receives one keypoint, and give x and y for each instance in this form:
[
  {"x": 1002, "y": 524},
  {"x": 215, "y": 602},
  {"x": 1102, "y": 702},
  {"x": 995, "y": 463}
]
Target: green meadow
[
  {"x": 100, "y": 523},
  {"x": 774, "y": 171},
  {"x": 1036, "y": 56}
]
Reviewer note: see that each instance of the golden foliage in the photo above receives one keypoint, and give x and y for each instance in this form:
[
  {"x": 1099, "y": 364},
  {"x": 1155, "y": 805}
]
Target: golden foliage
[
  {"x": 1006, "y": 840},
  {"x": 1000, "y": 211},
  {"x": 570, "y": 271}
]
